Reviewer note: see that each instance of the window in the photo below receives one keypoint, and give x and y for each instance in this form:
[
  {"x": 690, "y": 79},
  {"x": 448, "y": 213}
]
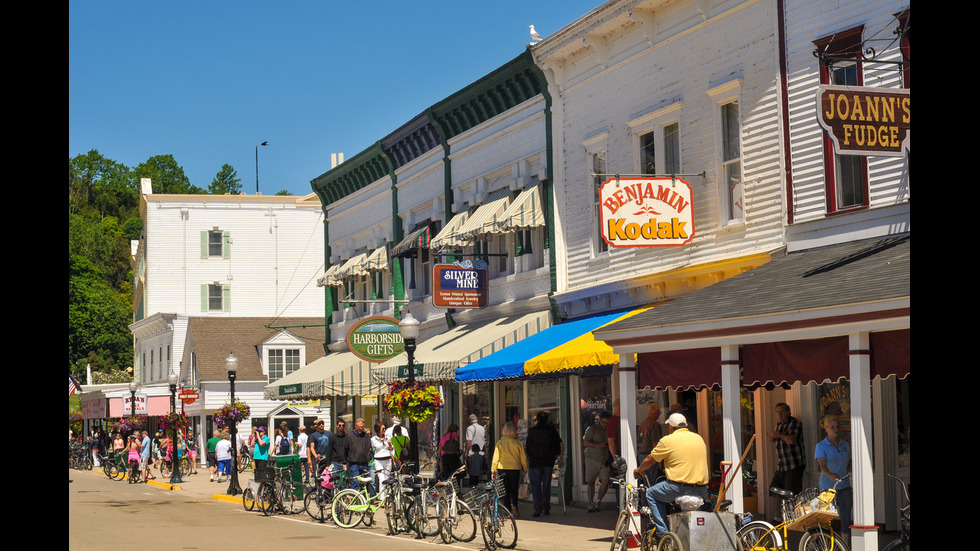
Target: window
[
  {"x": 215, "y": 297},
  {"x": 846, "y": 176},
  {"x": 215, "y": 243},
  {"x": 282, "y": 362},
  {"x": 731, "y": 161},
  {"x": 599, "y": 169},
  {"x": 665, "y": 159}
]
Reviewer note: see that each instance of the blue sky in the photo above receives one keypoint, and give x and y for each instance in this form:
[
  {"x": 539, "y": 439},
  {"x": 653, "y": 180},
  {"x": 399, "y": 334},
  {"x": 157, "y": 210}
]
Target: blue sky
[{"x": 207, "y": 81}]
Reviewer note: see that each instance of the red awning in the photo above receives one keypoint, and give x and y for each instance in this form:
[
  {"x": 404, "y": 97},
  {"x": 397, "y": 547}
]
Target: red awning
[
  {"x": 784, "y": 363},
  {"x": 680, "y": 369}
]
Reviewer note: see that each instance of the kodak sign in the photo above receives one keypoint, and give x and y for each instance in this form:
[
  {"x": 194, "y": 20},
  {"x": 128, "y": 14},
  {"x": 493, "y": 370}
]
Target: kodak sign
[
  {"x": 646, "y": 212},
  {"x": 866, "y": 121}
]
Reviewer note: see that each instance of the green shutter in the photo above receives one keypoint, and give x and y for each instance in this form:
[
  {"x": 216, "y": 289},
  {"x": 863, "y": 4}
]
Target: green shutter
[
  {"x": 226, "y": 297},
  {"x": 204, "y": 296},
  {"x": 204, "y": 245},
  {"x": 226, "y": 245}
]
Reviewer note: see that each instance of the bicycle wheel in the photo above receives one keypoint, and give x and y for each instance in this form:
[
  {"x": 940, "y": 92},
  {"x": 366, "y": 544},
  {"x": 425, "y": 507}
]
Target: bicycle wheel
[
  {"x": 118, "y": 473},
  {"x": 342, "y": 515},
  {"x": 291, "y": 505},
  {"x": 506, "y": 530},
  {"x": 820, "y": 539},
  {"x": 267, "y": 499},
  {"x": 648, "y": 543},
  {"x": 488, "y": 526},
  {"x": 248, "y": 499},
  {"x": 395, "y": 515},
  {"x": 619, "y": 540},
  {"x": 317, "y": 504},
  {"x": 424, "y": 518},
  {"x": 460, "y": 526},
  {"x": 669, "y": 542},
  {"x": 759, "y": 534},
  {"x": 897, "y": 545}
]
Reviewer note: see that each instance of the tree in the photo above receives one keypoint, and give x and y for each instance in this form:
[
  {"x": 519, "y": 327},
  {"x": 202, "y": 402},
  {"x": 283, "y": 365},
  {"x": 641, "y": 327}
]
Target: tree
[
  {"x": 101, "y": 184},
  {"x": 283, "y": 192},
  {"x": 226, "y": 182},
  {"x": 167, "y": 175}
]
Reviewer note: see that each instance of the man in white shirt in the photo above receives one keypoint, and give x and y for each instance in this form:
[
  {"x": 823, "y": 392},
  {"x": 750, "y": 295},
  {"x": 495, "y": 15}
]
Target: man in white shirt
[
  {"x": 301, "y": 442},
  {"x": 475, "y": 434}
]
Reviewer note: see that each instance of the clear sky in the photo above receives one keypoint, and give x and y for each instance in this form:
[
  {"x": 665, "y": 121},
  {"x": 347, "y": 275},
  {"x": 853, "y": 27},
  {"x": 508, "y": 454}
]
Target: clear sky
[{"x": 207, "y": 81}]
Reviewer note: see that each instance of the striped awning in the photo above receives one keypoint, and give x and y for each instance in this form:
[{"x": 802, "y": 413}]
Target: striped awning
[
  {"x": 336, "y": 374},
  {"x": 449, "y": 236},
  {"x": 418, "y": 239},
  {"x": 524, "y": 212},
  {"x": 329, "y": 278},
  {"x": 442, "y": 354},
  {"x": 484, "y": 218},
  {"x": 352, "y": 268},
  {"x": 377, "y": 261}
]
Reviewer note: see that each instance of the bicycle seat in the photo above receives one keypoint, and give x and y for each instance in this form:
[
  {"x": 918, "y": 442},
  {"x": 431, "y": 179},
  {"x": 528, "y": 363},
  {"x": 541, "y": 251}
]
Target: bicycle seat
[
  {"x": 779, "y": 492},
  {"x": 365, "y": 479},
  {"x": 484, "y": 486}
]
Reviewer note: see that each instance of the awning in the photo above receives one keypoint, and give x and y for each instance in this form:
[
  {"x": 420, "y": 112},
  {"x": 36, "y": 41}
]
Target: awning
[
  {"x": 484, "y": 219},
  {"x": 693, "y": 368},
  {"x": 418, "y": 239},
  {"x": 336, "y": 374},
  {"x": 524, "y": 212},
  {"x": 329, "y": 278},
  {"x": 443, "y": 354},
  {"x": 566, "y": 348},
  {"x": 377, "y": 261},
  {"x": 352, "y": 267},
  {"x": 449, "y": 236}
]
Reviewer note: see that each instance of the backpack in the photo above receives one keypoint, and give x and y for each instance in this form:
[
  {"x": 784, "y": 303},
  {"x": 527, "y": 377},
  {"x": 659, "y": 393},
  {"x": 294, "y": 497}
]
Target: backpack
[
  {"x": 284, "y": 446},
  {"x": 452, "y": 445}
]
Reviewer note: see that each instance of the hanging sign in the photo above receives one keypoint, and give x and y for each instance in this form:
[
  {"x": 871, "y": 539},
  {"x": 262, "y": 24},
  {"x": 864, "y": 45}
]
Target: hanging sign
[
  {"x": 188, "y": 395},
  {"x": 375, "y": 339},
  {"x": 865, "y": 121},
  {"x": 140, "y": 404},
  {"x": 646, "y": 212},
  {"x": 460, "y": 285}
]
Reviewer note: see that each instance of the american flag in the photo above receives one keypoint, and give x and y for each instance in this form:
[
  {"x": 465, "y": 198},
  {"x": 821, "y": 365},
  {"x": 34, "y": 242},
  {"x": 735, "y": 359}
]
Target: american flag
[{"x": 72, "y": 385}]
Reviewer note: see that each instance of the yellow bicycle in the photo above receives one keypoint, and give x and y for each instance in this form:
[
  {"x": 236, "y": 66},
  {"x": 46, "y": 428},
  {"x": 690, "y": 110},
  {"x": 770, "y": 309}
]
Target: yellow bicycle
[{"x": 811, "y": 511}]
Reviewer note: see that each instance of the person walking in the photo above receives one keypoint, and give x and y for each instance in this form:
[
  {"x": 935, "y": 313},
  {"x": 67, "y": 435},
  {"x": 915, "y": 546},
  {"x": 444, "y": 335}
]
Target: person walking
[
  {"x": 146, "y": 447},
  {"x": 222, "y": 452},
  {"x": 302, "y": 440},
  {"x": 834, "y": 457},
  {"x": 399, "y": 448},
  {"x": 358, "y": 453},
  {"x": 212, "y": 445},
  {"x": 596, "y": 460},
  {"x": 543, "y": 447},
  {"x": 449, "y": 450},
  {"x": 510, "y": 462},
  {"x": 382, "y": 453}
]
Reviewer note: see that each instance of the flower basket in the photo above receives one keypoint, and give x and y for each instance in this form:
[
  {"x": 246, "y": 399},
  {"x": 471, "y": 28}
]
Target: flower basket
[
  {"x": 418, "y": 402},
  {"x": 129, "y": 425},
  {"x": 231, "y": 414},
  {"x": 173, "y": 421}
]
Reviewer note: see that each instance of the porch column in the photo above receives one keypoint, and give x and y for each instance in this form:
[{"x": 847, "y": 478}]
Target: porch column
[
  {"x": 627, "y": 408},
  {"x": 731, "y": 424},
  {"x": 864, "y": 534}
]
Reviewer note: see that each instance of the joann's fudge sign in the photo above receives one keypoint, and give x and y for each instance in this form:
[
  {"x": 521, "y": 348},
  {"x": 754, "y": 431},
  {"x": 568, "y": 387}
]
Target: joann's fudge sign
[
  {"x": 460, "y": 285},
  {"x": 646, "y": 212}
]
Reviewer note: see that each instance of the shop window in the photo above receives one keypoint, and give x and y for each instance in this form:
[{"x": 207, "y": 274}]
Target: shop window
[
  {"x": 512, "y": 393},
  {"x": 595, "y": 396},
  {"x": 716, "y": 443},
  {"x": 846, "y": 176},
  {"x": 543, "y": 396}
]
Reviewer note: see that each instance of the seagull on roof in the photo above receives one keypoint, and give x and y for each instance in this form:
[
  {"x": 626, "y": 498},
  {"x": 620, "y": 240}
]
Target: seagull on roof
[{"x": 535, "y": 37}]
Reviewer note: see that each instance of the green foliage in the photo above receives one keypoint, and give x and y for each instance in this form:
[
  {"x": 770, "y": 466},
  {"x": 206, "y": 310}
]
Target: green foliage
[
  {"x": 226, "y": 181},
  {"x": 283, "y": 192},
  {"x": 166, "y": 174}
]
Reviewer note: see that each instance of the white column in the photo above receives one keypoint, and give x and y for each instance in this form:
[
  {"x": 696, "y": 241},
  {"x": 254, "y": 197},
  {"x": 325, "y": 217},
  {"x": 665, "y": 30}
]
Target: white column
[
  {"x": 864, "y": 534},
  {"x": 627, "y": 409},
  {"x": 731, "y": 403}
]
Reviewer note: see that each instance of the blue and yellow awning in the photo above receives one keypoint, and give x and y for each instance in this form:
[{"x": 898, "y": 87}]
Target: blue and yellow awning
[{"x": 566, "y": 348}]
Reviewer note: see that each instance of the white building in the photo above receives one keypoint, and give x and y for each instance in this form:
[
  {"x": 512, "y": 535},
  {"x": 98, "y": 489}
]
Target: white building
[{"x": 220, "y": 274}]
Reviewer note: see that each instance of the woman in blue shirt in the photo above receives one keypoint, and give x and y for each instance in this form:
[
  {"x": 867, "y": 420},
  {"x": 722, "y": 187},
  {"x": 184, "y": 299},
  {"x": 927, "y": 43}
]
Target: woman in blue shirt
[{"x": 834, "y": 457}]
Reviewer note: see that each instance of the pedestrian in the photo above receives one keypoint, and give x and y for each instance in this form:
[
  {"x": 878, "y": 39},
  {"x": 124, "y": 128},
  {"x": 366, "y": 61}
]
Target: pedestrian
[
  {"x": 390, "y": 431},
  {"x": 190, "y": 445},
  {"x": 597, "y": 460},
  {"x": 222, "y": 452},
  {"x": 145, "y": 450},
  {"x": 475, "y": 434},
  {"x": 400, "y": 448},
  {"x": 834, "y": 457},
  {"x": 612, "y": 431},
  {"x": 359, "y": 455},
  {"x": 260, "y": 453},
  {"x": 338, "y": 456},
  {"x": 287, "y": 433},
  {"x": 649, "y": 433},
  {"x": 788, "y": 437},
  {"x": 302, "y": 440},
  {"x": 510, "y": 462},
  {"x": 474, "y": 464},
  {"x": 133, "y": 457},
  {"x": 212, "y": 445},
  {"x": 544, "y": 446},
  {"x": 449, "y": 450},
  {"x": 318, "y": 448},
  {"x": 382, "y": 453}
]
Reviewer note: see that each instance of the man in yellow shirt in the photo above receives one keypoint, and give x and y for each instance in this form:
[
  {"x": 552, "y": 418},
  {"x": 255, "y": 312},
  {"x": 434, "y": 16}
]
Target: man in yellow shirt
[{"x": 685, "y": 462}]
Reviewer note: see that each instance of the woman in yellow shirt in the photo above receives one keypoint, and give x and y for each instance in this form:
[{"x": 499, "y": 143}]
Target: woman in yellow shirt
[{"x": 509, "y": 461}]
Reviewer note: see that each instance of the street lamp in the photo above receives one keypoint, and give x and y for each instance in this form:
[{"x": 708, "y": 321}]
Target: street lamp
[
  {"x": 409, "y": 329},
  {"x": 231, "y": 365},
  {"x": 132, "y": 396},
  {"x": 257, "y": 166},
  {"x": 174, "y": 466}
]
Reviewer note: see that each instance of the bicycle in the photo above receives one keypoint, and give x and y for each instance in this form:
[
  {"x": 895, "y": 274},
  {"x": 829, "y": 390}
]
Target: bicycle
[
  {"x": 318, "y": 501},
  {"x": 110, "y": 467},
  {"x": 244, "y": 459},
  {"x": 422, "y": 515},
  {"x": 903, "y": 543},
  {"x": 496, "y": 521},
  {"x": 351, "y": 506},
  {"x": 811, "y": 511},
  {"x": 397, "y": 501},
  {"x": 456, "y": 519},
  {"x": 279, "y": 495},
  {"x": 627, "y": 527}
]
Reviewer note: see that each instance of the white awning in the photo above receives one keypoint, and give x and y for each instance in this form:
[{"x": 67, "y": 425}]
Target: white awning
[
  {"x": 336, "y": 374},
  {"x": 482, "y": 220},
  {"x": 329, "y": 278},
  {"x": 376, "y": 261},
  {"x": 352, "y": 267},
  {"x": 449, "y": 236},
  {"x": 524, "y": 212}
]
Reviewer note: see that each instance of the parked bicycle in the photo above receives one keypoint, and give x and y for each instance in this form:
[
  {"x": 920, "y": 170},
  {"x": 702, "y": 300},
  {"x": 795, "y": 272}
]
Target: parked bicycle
[
  {"x": 399, "y": 499},
  {"x": 497, "y": 523},
  {"x": 278, "y": 495},
  {"x": 903, "y": 543},
  {"x": 456, "y": 519},
  {"x": 810, "y": 511},
  {"x": 318, "y": 499},
  {"x": 351, "y": 506},
  {"x": 629, "y": 526}
]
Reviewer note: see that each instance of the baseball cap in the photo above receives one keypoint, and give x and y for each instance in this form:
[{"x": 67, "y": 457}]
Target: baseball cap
[{"x": 677, "y": 420}]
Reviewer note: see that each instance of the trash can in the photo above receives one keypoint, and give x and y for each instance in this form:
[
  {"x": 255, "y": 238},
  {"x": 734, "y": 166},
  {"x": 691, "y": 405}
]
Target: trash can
[{"x": 295, "y": 465}]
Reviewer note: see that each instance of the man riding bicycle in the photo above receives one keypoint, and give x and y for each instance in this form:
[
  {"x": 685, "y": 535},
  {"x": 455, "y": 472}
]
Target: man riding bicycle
[{"x": 685, "y": 459}]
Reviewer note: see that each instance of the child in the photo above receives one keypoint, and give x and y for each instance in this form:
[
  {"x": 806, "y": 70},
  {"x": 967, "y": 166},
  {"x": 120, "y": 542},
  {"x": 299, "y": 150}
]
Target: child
[{"x": 474, "y": 465}]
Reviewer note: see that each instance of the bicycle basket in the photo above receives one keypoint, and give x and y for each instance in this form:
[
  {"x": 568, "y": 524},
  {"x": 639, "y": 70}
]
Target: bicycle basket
[
  {"x": 810, "y": 507},
  {"x": 499, "y": 488}
]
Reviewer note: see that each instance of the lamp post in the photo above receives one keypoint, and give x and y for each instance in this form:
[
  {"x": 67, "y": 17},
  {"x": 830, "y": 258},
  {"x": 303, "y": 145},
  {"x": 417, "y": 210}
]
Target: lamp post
[
  {"x": 231, "y": 365},
  {"x": 409, "y": 329},
  {"x": 132, "y": 396},
  {"x": 257, "y": 166},
  {"x": 174, "y": 465}
]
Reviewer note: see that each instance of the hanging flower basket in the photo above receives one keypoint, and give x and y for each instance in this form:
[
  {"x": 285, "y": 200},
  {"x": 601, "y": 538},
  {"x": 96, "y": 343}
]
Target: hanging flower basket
[
  {"x": 418, "y": 403},
  {"x": 129, "y": 425},
  {"x": 172, "y": 421},
  {"x": 231, "y": 414},
  {"x": 75, "y": 423}
]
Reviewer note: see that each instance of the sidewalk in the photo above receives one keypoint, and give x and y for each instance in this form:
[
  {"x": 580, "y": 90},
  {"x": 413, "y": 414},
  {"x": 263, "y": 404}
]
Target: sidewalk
[{"x": 575, "y": 530}]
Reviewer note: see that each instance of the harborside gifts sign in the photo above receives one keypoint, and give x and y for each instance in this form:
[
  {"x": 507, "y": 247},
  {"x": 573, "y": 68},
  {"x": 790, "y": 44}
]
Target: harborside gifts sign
[
  {"x": 460, "y": 285},
  {"x": 646, "y": 212},
  {"x": 375, "y": 339}
]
